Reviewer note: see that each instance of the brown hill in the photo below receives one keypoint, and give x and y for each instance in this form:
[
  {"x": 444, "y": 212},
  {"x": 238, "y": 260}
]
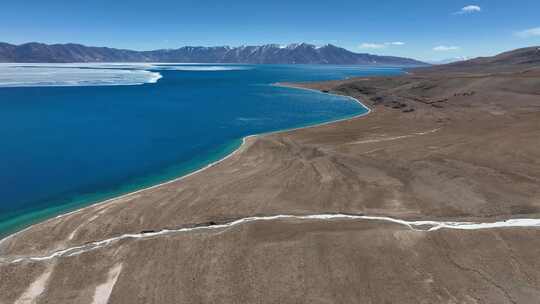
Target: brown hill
[{"x": 524, "y": 59}]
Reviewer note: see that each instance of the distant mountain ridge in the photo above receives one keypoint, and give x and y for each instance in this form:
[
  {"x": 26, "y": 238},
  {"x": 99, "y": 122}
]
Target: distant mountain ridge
[
  {"x": 448, "y": 60},
  {"x": 299, "y": 53}
]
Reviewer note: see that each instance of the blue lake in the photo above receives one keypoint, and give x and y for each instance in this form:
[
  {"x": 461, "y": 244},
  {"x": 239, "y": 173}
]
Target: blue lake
[{"x": 64, "y": 147}]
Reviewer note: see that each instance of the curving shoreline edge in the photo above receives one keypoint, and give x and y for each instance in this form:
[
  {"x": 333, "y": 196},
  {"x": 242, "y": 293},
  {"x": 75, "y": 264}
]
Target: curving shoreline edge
[{"x": 242, "y": 146}]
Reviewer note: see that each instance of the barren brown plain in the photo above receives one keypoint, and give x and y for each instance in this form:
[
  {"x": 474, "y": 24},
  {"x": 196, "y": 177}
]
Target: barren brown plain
[{"x": 438, "y": 145}]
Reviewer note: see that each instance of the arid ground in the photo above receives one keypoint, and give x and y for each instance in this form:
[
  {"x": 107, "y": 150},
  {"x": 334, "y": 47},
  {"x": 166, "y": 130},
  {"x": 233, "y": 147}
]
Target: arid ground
[{"x": 439, "y": 145}]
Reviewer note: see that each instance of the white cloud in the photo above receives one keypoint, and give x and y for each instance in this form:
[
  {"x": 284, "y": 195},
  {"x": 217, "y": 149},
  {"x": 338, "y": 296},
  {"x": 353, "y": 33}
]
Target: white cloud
[
  {"x": 469, "y": 9},
  {"x": 446, "y": 48},
  {"x": 372, "y": 46},
  {"x": 380, "y": 45},
  {"x": 532, "y": 32}
]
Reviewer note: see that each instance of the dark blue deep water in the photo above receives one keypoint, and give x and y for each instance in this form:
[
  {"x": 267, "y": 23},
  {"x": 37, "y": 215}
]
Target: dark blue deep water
[{"x": 66, "y": 147}]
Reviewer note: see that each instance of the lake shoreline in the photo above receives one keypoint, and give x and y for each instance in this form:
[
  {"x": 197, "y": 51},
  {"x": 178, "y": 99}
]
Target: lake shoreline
[
  {"x": 238, "y": 149},
  {"x": 426, "y": 178}
]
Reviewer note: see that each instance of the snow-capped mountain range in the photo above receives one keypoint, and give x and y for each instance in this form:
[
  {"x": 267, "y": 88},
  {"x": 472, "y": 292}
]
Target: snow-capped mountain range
[{"x": 298, "y": 53}]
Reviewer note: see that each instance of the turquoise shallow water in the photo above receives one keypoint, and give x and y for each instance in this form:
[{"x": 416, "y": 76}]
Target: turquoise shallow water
[{"x": 67, "y": 147}]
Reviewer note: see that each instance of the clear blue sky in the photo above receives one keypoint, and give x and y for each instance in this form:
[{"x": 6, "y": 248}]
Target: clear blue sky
[{"x": 428, "y": 29}]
